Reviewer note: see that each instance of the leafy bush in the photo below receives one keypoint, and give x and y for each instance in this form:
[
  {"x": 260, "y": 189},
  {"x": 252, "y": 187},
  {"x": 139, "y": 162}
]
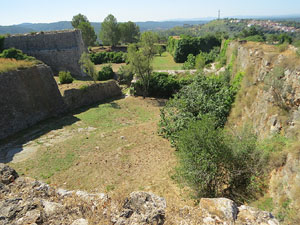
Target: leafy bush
[
  {"x": 216, "y": 163},
  {"x": 164, "y": 85},
  {"x": 211, "y": 96},
  {"x": 65, "y": 77},
  {"x": 17, "y": 54},
  {"x": 106, "y": 73},
  {"x": 1, "y": 43},
  {"x": 181, "y": 48},
  {"x": 189, "y": 63},
  {"x": 255, "y": 38},
  {"x": 125, "y": 75},
  {"x": 108, "y": 57}
]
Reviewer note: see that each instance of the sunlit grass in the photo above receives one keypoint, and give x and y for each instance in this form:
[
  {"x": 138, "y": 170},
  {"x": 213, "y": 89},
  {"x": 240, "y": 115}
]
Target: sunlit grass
[
  {"x": 12, "y": 64},
  {"x": 166, "y": 62}
]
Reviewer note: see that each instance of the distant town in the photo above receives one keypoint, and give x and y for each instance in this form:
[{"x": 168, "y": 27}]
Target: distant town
[{"x": 273, "y": 25}]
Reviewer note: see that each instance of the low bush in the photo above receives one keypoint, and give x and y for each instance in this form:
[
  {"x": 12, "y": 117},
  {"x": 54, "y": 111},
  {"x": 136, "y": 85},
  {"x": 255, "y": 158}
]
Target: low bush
[
  {"x": 125, "y": 75},
  {"x": 189, "y": 63},
  {"x": 108, "y": 57},
  {"x": 206, "y": 95},
  {"x": 65, "y": 77},
  {"x": 255, "y": 38},
  {"x": 217, "y": 163},
  {"x": 13, "y": 53},
  {"x": 163, "y": 85},
  {"x": 106, "y": 73}
]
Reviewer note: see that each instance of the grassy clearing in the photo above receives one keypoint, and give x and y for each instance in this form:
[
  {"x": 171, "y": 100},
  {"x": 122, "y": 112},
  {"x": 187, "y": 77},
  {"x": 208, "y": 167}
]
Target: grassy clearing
[
  {"x": 166, "y": 62},
  {"x": 12, "y": 64},
  {"x": 114, "y": 147}
]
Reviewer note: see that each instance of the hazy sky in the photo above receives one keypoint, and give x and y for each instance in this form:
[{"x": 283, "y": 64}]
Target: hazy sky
[{"x": 39, "y": 11}]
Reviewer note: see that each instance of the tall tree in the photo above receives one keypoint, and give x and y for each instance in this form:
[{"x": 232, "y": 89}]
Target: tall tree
[
  {"x": 76, "y": 20},
  {"x": 88, "y": 33},
  {"x": 110, "y": 32},
  {"x": 140, "y": 57},
  {"x": 130, "y": 32}
]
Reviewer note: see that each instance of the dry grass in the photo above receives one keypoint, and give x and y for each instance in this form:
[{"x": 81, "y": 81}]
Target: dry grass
[
  {"x": 122, "y": 154},
  {"x": 12, "y": 64}
]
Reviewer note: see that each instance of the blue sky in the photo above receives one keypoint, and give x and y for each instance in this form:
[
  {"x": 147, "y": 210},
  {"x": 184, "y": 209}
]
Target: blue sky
[{"x": 37, "y": 11}]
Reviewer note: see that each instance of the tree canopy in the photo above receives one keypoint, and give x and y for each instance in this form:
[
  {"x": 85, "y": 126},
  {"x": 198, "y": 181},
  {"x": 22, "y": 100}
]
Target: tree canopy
[
  {"x": 130, "y": 32},
  {"x": 140, "y": 58},
  {"x": 88, "y": 33},
  {"x": 110, "y": 32}
]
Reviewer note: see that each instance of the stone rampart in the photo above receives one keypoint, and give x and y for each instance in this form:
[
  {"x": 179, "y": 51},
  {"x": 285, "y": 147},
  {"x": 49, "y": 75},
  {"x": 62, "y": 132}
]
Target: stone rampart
[
  {"x": 76, "y": 98},
  {"x": 61, "y": 50},
  {"x": 27, "y": 97}
]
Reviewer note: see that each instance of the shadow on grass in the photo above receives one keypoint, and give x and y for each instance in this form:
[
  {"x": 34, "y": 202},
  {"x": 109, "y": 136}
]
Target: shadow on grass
[{"x": 15, "y": 144}]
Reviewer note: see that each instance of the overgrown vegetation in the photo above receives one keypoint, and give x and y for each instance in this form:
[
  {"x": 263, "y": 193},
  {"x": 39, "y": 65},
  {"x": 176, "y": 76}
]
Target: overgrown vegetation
[
  {"x": 13, "y": 53},
  {"x": 65, "y": 77},
  {"x": 108, "y": 57},
  {"x": 106, "y": 73},
  {"x": 87, "y": 66},
  {"x": 207, "y": 95},
  {"x": 164, "y": 85},
  {"x": 218, "y": 163},
  {"x": 182, "y": 47},
  {"x": 13, "y": 64}
]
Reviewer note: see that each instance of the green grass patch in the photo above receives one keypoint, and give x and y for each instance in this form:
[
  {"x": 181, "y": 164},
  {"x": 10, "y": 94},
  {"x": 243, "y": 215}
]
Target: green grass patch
[{"x": 166, "y": 62}]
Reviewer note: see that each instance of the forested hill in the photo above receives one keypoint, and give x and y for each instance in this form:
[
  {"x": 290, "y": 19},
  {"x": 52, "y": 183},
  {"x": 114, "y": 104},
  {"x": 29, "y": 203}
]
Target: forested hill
[{"x": 62, "y": 25}]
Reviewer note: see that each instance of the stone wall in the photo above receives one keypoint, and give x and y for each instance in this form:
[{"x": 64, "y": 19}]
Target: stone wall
[
  {"x": 76, "y": 98},
  {"x": 61, "y": 50},
  {"x": 27, "y": 97}
]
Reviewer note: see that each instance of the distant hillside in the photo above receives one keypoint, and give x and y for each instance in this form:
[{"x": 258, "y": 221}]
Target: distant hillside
[{"x": 62, "y": 25}]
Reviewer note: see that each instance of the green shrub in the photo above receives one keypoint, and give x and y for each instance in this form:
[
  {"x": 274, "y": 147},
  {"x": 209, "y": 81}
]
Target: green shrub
[
  {"x": 2, "y": 38},
  {"x": 189, "y": 63},
  {"x": 216, "y": 163},
  {"x": 207, "y": 95},
  {"x": 255, "y": 38},
  {"x": 65, "y": 77},
  {"x": 181, "y": 48},
  {"x": 17, "y": 54},
  {"x": 84, "y": 87},
  {"x": 108, "y": 57},
  {"x": 164, "y": 85},
  {"x": 106, "y": 73},
  {"x": 125, "y": 75},
  {"x": 200, "y": 61}
]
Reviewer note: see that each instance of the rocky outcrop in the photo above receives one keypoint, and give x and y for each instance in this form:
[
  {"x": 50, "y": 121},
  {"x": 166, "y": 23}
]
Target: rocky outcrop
[
  {"x": 27, "y": 97},
  {"x": 87, "y": 95},
  {"x": 264, "y": 104},
  {"x": 142, "y": 208},
  {"x": 61, "y": 50},
  {"x": 27, "y": 201}
]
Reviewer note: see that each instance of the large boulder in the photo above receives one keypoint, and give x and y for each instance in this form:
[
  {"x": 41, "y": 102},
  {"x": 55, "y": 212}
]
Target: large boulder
[
  {"x": 249, "y": 215},
  {"x": 141, "y": 208},
  {"x": 218, "y": 210},
  {"x": 7, "y": 174}
]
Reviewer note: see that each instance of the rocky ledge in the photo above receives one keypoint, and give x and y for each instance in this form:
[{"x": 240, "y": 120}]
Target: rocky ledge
[{"x": 27, "y": 201}]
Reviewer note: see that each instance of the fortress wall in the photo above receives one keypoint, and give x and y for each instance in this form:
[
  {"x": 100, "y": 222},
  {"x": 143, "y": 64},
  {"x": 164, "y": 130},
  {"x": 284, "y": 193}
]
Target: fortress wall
[
  {"x": 27, "y": 97},
  {"x": 76, "y": 98},
  {"x": 61, "y": 50}
]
